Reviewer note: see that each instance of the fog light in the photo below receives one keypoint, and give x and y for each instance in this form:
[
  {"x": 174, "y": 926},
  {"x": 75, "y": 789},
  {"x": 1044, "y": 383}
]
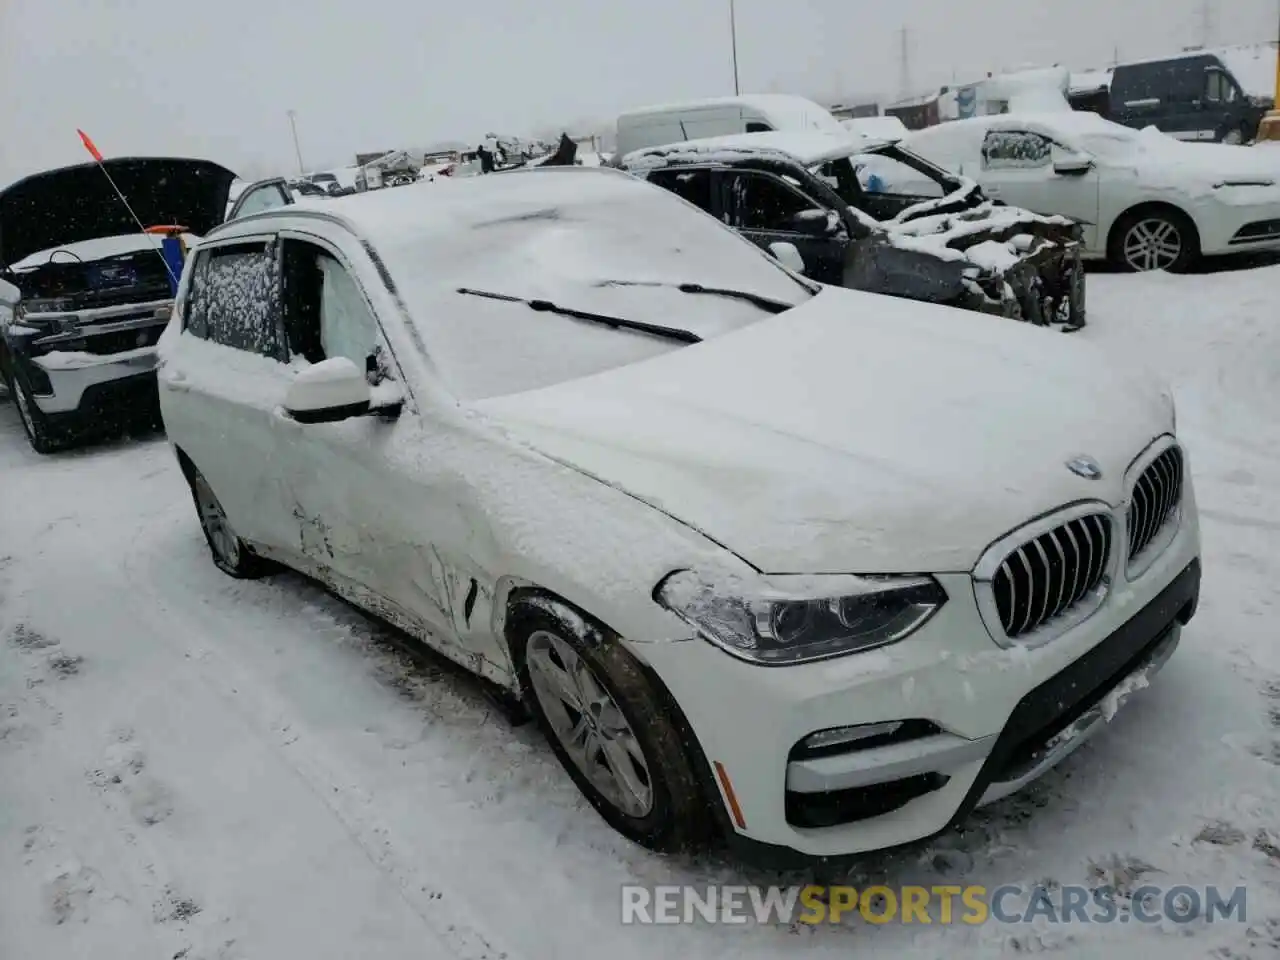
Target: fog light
[{"x": 861, "y": 737}]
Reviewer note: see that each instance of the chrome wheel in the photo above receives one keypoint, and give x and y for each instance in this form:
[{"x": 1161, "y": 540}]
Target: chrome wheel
[
  {"x": 1233, "y": 137},
  {"x": 1153, "y": 244},
  {"x": 223, "y": 540},
  {"x": 589, "y": 724}
]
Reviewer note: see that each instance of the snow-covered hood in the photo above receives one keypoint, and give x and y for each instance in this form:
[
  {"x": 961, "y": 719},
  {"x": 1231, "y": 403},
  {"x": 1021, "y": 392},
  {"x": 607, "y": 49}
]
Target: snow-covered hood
[
  {"x": 1168, "y": 162},
  {"x": 75, "y": 204},
  {"x": 854, "y": 433}
]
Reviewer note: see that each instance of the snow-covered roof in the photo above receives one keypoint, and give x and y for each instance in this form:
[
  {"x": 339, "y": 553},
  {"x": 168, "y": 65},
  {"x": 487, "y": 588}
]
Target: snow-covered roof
[
  {"x": 803, "y": 110},
  {"x": 1252, "y": 64},
  {"x": 1071, "y": 122},
  {"x": 809, "y": 147}
]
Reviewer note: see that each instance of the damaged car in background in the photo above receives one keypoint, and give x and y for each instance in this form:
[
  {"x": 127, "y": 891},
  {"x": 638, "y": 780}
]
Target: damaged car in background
[
  {"x": 89, "y": 293},
  {"x": 873, "y": 216}
]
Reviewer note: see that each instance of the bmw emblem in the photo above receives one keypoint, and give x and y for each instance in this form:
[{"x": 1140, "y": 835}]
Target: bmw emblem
[{"x": 1086, "y": 467}]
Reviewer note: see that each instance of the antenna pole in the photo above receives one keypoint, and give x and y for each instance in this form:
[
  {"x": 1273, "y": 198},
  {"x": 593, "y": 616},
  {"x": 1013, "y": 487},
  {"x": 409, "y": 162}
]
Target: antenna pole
[{"x": 733, "y": 39}]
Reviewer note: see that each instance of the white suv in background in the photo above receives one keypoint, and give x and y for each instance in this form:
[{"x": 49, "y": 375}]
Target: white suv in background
[{"x": 816, "y": 569}]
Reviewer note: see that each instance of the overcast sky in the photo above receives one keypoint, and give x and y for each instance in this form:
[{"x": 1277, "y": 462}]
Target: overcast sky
[{"x": 215, "y": 78}]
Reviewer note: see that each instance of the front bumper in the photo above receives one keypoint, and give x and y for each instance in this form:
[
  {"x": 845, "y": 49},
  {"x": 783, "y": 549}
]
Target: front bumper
[
  {"x": 1241, "y": 227},
  {"x": 70, "y": 377},
  {"x": 1002, "y": 716}
]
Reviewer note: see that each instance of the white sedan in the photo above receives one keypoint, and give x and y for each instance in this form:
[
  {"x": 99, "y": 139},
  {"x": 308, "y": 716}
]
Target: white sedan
[
  {"x": 1145, "y": 200},
  {"x": 812, "y": 569}
]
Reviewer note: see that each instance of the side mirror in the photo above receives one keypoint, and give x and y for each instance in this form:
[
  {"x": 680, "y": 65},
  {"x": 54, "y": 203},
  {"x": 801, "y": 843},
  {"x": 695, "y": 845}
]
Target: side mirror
[
  {"x": 1071, "y": 164},
  {"x": 332, "y": 390},
  {"x": 815, "y": 223},
  {"x": 787, "y": 255}
]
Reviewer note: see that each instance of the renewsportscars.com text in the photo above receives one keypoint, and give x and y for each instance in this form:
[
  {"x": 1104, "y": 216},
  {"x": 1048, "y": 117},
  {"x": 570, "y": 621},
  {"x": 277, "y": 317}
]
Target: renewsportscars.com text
[{"x": 942, "y": 904}]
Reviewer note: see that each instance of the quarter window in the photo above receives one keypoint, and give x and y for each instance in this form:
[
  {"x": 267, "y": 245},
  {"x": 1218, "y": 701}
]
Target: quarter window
[
  {"x": 1015, "y": 149},
  {"x": 234, "y": 299}
]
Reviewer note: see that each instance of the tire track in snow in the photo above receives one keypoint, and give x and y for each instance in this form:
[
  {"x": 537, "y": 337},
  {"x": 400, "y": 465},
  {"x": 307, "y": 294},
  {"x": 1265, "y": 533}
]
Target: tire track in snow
[{"x": 297, "y": 750}]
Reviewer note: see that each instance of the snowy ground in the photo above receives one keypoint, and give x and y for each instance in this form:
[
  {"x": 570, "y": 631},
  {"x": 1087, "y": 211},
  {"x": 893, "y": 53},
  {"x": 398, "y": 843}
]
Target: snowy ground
[{"x": 196, "y": 768}]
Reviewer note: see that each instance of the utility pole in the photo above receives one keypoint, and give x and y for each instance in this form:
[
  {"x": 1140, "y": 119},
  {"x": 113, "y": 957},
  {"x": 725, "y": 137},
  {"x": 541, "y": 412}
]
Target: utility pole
[
  {"x": 905, "y": 58},
  {"x": 733, "y": 38},
  {"x": 293, "y": 125},
  {"x": 1206, "y": 23}
]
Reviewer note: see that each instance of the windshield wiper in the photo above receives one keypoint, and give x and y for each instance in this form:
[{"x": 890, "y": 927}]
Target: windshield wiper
[
  {"x": 764, "y": 303},
  {"x": 618, "y": 323}
]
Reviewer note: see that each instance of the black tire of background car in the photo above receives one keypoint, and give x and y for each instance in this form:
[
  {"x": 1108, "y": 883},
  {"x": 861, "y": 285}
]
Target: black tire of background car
[
  {"x": 248, "y": 565},
  {"x": 681, "y": 819},
  {"x": 44, "y": 439},
  {"x": 1186, "y": 228}
]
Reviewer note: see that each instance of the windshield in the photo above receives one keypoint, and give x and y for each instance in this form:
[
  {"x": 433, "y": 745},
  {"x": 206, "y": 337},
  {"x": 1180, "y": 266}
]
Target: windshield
[
  {"x": 602, "y": 244},
  {"x": 889, "y": 171}
]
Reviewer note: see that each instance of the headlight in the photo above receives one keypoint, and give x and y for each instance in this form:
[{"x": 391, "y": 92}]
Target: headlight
[
  {"x": 808, "y": 618},
  {"x": 47, "y": 305}
]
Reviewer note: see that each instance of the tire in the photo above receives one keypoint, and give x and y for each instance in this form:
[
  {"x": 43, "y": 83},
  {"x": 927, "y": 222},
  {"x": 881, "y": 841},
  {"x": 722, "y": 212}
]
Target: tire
[
  {"x": 230, "y": 554},
  {"x": 44, "y": 439},
  {"x": 1234, "y": 138},
  {"x": 657, "y": 802},
  {"x": 1155, "y": 238}
]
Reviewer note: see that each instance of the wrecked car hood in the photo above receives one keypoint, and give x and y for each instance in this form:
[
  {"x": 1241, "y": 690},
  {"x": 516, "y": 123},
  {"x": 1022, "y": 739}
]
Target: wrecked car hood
[
  {"x": 75, "y": 204},
  {"x": 854, "y": 433}
]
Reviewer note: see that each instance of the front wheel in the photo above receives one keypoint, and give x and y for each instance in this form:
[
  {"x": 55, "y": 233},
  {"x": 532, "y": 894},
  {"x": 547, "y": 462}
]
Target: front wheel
[
  {"x": 42, "y": 437},
  {"x": 1234, "y": 138},
  {"x": 230, "y": 554},
  {"x": 611, "y": 731},
  {"x": 1154, "y": 240}
]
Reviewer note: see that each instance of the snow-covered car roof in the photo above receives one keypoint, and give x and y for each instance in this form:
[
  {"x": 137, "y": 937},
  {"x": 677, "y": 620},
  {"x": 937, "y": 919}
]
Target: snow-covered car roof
[{"x": 809, "y": 147}]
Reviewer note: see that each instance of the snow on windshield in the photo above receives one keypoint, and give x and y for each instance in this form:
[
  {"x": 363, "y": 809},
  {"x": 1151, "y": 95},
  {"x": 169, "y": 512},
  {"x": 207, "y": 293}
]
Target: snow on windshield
[{"x": 604, "y": 244}]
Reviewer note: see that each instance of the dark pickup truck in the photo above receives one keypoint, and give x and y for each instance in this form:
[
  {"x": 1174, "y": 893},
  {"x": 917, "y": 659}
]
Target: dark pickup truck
[{"x": 84, "y": 295}]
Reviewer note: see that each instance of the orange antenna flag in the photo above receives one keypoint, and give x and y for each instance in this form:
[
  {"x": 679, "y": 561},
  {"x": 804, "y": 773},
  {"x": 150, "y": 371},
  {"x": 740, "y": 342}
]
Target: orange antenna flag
[{"x": 89, "y": 145}]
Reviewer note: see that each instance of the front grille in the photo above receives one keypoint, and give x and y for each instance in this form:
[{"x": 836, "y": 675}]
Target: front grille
[
  {"x": 118, "y": 341},
  {"x": 1156, "y": 496},
  {"x": 1045, "y": 577}
]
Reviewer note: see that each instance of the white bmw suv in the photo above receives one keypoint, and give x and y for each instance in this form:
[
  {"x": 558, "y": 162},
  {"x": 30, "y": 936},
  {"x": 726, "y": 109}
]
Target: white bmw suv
[{"x": 815, "y": 569}]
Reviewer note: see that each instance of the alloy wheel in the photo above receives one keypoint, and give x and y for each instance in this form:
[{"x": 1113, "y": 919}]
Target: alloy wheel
[
  {"x": 589, "y": 724},
  {"x": 1152, "y": 244},
  {"x": 225, "y": 543}
]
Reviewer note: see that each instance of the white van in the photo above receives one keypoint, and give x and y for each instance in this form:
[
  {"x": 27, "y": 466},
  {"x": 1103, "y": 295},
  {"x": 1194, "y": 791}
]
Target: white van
[{"x": 697, "y": 120}]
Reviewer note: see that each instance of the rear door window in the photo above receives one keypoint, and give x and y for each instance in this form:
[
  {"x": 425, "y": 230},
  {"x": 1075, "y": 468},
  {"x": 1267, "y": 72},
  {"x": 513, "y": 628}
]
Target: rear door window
[{"x": 234, "y": 299}]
